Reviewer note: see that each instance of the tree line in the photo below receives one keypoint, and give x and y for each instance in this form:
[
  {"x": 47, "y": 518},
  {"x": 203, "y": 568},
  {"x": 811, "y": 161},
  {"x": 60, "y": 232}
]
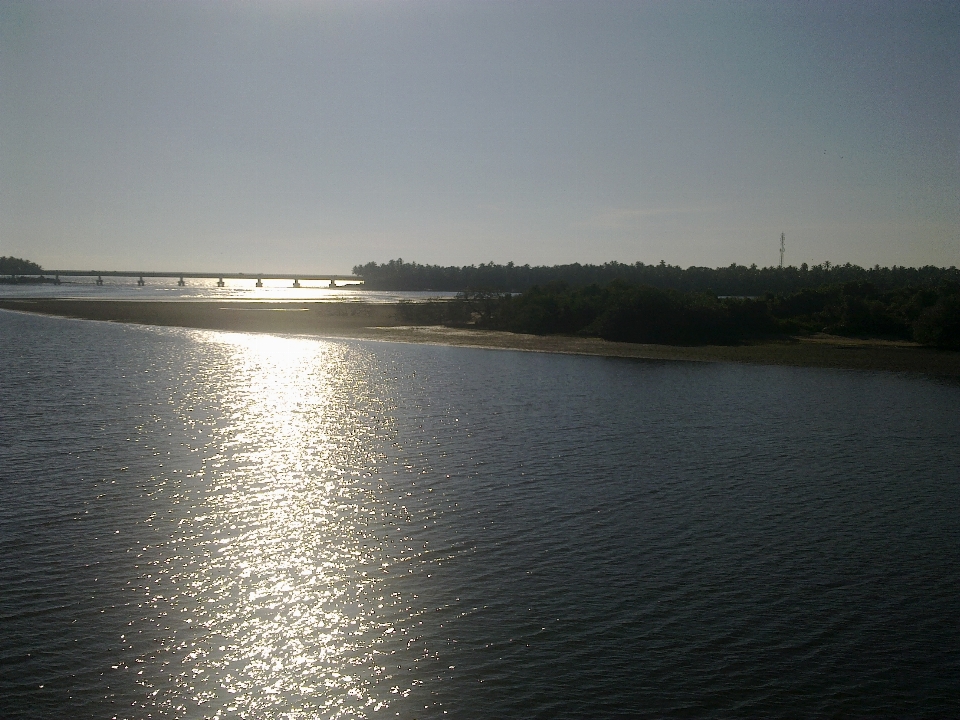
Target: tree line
[
  {"x": 18, "y": 266},
  {"x": 627, "y": 312},
  {"x": 739, "y": 280}
]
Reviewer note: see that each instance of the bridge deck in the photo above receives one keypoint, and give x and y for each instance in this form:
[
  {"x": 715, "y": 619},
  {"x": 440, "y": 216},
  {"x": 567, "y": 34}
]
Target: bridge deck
[{"x": 211, "y": 275}]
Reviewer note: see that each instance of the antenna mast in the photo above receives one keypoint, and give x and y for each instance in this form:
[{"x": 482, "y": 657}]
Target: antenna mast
[{"x": 783, "y": 247}]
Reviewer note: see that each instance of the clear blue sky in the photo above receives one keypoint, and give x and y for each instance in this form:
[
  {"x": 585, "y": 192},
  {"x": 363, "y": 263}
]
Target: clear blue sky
[{"x": 313, "y": 136}]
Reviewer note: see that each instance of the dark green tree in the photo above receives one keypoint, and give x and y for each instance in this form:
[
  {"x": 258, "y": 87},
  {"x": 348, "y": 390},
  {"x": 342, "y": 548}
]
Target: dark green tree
[{"x": 17, "y": 266}]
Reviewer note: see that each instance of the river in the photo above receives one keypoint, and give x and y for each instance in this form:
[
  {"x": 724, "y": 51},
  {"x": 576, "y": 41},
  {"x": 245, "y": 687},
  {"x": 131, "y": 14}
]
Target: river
[{"x": 201, "y": 524}]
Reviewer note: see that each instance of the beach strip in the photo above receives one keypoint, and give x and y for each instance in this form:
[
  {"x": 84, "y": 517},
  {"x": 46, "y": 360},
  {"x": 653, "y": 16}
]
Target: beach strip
[{"x": 383, "y": 322}]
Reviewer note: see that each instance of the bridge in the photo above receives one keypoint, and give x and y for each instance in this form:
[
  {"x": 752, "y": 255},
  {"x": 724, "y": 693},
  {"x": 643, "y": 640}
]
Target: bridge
[{"x": 182, "y": 276}]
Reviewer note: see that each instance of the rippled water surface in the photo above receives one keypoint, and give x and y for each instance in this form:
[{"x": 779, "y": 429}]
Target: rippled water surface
[{"x": 198, "y": 524}]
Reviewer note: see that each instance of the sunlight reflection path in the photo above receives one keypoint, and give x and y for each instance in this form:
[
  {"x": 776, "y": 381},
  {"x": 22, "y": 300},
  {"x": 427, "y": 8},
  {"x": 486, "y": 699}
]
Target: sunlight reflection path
[{"x": 279, "y": 574}]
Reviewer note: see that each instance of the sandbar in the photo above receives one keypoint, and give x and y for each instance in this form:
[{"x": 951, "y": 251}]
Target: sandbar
[{"x": 384, "y": 322}]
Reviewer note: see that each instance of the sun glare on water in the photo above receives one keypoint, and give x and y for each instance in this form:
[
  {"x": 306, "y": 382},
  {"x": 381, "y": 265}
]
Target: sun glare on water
[{"x": 279, "y": 607}]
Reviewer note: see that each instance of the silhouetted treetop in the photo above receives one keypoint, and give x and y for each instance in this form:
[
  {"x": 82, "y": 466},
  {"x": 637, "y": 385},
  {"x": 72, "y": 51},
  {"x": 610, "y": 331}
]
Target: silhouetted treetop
[
  {"x": 733, "y": 280},
  {"x": 18, "y": 266}
]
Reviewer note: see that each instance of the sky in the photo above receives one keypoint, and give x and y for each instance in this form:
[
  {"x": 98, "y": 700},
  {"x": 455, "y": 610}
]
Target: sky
[{"x": 314, "y": 136}]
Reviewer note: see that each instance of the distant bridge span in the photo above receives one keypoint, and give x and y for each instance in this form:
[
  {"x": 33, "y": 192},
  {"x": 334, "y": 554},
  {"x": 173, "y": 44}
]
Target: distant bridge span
[{"x": 194, "y": 275}]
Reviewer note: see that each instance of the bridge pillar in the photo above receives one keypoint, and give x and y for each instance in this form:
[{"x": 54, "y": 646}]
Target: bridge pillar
[
  {"x": 220, "y": 283},
  {"x": 296, "y": 282},
  {"x": 259, "y": 282},
  {"x": 99, "y": 280},
  {"x": 180, "y": 282},
  {"x": 140, "y": 281}
]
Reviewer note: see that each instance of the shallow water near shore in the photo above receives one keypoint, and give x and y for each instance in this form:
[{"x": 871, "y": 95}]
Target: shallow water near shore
[{"x": 207, "y": 524}]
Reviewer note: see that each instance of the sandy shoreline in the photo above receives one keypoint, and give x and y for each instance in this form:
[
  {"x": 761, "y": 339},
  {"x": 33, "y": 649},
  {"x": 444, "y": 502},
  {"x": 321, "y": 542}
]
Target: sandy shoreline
[{"x": 381, "y": 322}]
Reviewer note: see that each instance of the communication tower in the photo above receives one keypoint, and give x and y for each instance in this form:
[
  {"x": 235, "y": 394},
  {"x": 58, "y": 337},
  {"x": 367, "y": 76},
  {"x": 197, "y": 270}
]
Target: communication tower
[{"x": 783, "y": 247}]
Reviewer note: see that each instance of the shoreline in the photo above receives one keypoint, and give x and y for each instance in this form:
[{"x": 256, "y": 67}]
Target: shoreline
[{"x": 381, "y": 322}]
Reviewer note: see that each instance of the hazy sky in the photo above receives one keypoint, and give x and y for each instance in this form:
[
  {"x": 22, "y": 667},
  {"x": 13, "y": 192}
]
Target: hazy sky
[{"x": 313, "y": 136}]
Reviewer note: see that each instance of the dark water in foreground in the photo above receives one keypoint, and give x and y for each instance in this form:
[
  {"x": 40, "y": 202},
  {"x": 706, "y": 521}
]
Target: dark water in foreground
[{"x": 198, "y": 524}]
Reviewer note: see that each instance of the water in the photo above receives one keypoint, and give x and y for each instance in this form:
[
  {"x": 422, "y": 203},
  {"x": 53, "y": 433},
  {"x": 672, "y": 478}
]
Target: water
[
  {"x": 166, "y": 289},
  {"x": 200, "y": 524}
]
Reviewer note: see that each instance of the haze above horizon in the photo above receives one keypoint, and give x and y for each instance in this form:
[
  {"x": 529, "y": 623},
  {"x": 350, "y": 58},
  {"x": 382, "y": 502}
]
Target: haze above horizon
[{"x": 322, "y": 135}]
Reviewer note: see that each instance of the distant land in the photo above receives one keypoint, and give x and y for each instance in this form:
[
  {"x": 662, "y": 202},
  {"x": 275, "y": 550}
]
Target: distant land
[
  {"x": 11, "y": 268},
  {"x": 695, "y": 306},
  {"x": 731, "y": 280},
  {"x": 667, "y": 305},
  {"x": 393, "y": 323}
]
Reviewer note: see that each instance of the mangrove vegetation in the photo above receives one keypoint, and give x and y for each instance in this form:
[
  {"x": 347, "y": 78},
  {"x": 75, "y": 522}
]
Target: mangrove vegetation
[
  {"x": 733, "y": 280},
  {"x": 629, "y": 312},
  {"x": 18, "y": 266}
]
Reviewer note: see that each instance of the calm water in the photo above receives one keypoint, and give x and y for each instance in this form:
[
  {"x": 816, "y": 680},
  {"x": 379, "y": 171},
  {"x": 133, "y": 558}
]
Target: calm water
[
  {"x": 198, "y": 524},
  {"x": 166, "y": 289}
]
